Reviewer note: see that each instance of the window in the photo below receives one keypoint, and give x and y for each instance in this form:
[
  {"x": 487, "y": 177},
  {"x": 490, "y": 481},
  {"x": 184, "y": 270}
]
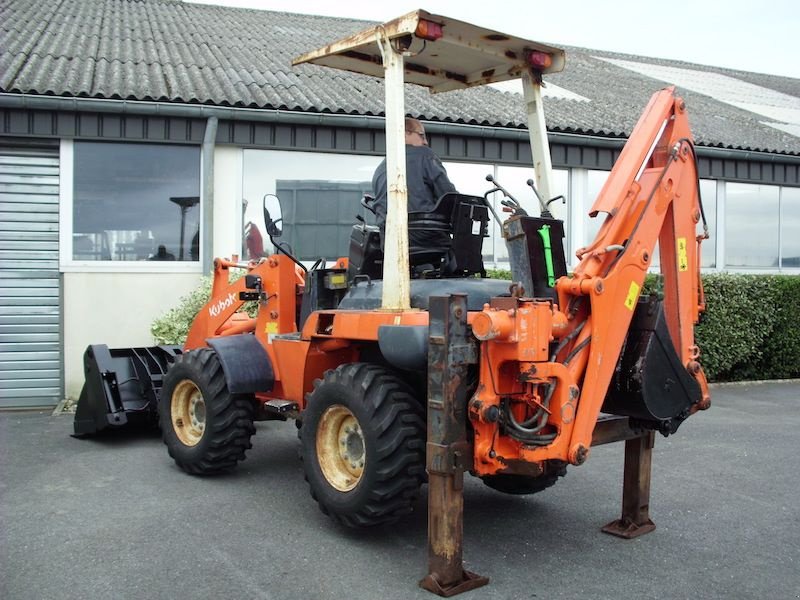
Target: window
[
  {"x": 320, "y": 197},
  {"x": 514, "y": 179},
  {"x": 751, "y": 225},
  {"x": 708, "y": 195},
  {"x": 470, "y": 178},
  {"x": 595, "y": 180},
  {"x": 135, "y": 202},
  {"x": 790, "y": 226}
]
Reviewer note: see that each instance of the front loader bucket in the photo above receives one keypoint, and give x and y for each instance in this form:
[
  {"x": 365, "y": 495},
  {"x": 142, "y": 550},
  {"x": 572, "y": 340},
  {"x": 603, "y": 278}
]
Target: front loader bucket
[{"x": 122, "y": 387}]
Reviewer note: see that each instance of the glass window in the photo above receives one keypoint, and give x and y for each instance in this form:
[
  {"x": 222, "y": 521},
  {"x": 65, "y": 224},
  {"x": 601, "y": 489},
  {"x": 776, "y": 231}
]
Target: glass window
[
  {"x": 595, "y": 180},
  {"x": 320, "y": 197},
  {"x": 790, "y": 226},
  {"x": 751, "y": 225},
  {"x": 708, "y": 194},
  {"x": 136, "y": 202}
]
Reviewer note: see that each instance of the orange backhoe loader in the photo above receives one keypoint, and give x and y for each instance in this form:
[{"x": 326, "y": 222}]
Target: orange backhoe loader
[{"x": 406, "y": 365}]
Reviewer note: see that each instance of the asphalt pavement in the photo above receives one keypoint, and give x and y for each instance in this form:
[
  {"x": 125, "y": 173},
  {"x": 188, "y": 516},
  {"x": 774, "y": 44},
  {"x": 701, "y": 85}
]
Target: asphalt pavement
[{"x": 115, "y": 518}]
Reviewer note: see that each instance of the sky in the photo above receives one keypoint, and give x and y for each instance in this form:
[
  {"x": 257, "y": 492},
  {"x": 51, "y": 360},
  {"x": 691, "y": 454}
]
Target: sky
[{"x": 739, "y": 34}]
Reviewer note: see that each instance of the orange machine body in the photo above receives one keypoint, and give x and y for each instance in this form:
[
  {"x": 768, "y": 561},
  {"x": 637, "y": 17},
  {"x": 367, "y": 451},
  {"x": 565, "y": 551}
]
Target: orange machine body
[{"x": 552, "y": 360}]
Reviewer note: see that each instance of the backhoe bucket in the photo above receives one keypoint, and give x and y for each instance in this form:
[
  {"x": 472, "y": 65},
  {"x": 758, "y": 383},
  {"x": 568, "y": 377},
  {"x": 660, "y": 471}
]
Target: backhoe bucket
[
  {"x": 650, "y": 385},
  {"x": 122, "y": 387}
]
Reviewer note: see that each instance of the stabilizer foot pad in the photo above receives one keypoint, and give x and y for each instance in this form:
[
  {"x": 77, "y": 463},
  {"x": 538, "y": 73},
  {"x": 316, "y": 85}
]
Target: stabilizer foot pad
[
  {"x": 469, "y": 581},
  {"x": 627, "y": 529}
]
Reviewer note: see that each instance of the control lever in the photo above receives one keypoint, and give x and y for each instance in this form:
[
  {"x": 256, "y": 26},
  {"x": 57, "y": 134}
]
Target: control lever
[
  {"x": 546, "y": 214},
  {"x": 545, "y": 205},
  {"x": 510, "y": 203}
]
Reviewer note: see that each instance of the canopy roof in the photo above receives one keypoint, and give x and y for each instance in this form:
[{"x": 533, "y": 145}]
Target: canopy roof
[{"x": 464, "y": 56}]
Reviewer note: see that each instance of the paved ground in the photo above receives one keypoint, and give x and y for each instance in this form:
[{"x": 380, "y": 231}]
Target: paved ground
[{"x": 116, "y": 519}]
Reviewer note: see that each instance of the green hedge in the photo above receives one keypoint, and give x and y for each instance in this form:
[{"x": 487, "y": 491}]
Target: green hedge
[
  {"x": 750, "y": 330},
  {"x": 751, "y": 326},
  {"x": 173, "y": 326}
]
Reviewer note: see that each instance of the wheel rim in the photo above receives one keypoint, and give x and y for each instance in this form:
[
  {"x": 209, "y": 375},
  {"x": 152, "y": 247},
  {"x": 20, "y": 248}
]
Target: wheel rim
[
  {"x": 341, "y": 451},
  {"x": 188, "y": 413}
]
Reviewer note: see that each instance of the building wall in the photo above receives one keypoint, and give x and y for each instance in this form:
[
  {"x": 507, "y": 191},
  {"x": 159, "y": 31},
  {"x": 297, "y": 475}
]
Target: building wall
[
  {"x": 115, "y": 309},
  {"x": 115, "y": 303}
]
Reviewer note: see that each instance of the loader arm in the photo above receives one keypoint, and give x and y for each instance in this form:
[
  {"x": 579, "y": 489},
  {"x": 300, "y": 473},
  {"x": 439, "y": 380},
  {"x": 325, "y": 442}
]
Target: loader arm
[
  {"x": 280, "y": 282},
  {"x": 651, "y": 196}
]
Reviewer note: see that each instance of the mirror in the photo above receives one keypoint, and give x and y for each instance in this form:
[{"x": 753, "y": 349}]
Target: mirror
[{"x": 272, "y": 215}]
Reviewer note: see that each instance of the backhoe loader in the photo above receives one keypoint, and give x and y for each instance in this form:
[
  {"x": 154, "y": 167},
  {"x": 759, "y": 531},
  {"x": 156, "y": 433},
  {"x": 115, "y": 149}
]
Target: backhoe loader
[{"x": 405, "y": 365}]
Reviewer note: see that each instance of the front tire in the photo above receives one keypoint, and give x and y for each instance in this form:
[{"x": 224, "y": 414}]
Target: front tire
[
  {"x": 206, "y": 428},
  {"x": 363, "y": 445}
]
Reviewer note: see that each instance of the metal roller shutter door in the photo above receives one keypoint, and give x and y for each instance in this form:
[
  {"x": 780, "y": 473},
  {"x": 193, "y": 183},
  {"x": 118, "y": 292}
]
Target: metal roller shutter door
[{"x": 30, "y": 288}]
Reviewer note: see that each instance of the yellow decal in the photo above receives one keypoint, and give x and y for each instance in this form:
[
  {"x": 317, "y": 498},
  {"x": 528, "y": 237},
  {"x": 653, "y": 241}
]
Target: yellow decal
[
  {"x": 633, "y": 295},
  {"x": 272, "y": 327},
  {"x": 683, "y": 260}
]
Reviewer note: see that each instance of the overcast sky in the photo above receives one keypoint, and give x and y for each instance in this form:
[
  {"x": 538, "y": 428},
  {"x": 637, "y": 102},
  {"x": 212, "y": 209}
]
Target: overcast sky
[{"x": 747, "y": 35}]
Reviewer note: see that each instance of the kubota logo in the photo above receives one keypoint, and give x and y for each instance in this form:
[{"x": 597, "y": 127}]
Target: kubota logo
[{"x": 221, "y": 305}]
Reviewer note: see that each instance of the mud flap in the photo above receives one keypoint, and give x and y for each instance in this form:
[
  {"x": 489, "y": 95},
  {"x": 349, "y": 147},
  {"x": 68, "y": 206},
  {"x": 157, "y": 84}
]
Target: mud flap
[
  {"x": 650, "y": 385},
  {"x": 121, "y": 388}
]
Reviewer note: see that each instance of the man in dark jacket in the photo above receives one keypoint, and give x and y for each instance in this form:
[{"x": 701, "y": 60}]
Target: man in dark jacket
[{"x": 426, "y": 180}]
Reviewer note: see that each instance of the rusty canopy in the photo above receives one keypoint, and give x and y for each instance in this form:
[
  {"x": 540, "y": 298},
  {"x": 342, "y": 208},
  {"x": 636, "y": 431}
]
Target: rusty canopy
[{"x": 464, "y": 55}]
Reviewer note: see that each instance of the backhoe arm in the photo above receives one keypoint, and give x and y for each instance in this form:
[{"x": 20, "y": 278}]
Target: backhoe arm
[{"x": 651, "y": 195}]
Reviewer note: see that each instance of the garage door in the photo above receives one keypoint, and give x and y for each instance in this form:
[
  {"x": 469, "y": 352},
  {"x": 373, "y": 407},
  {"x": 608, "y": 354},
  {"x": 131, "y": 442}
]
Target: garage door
[{"x": 30, "y": 289}]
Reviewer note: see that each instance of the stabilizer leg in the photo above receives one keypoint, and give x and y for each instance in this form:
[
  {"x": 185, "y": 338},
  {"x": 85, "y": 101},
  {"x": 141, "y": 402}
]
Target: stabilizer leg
[
  {"x": 450, "y": 352},
  {"x": 635, "y": 520}
]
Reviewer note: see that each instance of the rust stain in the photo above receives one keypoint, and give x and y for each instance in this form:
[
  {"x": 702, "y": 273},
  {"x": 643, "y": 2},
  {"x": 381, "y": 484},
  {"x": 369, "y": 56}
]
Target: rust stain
[
  {"x": 417, "y": 68},
  {"x": 372, "y": 58}
]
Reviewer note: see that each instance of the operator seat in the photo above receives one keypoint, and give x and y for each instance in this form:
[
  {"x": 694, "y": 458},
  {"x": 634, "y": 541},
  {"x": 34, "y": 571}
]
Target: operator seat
[{"x": 445, "y": 242}]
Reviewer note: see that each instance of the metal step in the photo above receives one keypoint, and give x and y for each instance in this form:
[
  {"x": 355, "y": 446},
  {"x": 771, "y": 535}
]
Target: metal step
[{"x": 280, "y": 407}]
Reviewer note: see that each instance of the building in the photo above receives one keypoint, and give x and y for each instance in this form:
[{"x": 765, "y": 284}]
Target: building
[{"x": 138, "y": 138}]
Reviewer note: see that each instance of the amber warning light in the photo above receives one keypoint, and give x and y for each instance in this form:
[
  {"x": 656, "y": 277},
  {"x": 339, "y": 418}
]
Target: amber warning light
[
  {"x": 539, "y": 60},
  {"x": 428, "y": 30}
]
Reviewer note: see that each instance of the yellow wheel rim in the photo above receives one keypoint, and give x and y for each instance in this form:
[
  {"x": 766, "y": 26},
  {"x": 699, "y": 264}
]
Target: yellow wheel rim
[
  {"x": 188, "y": 411},
  {"x": 340, "y": 448}
]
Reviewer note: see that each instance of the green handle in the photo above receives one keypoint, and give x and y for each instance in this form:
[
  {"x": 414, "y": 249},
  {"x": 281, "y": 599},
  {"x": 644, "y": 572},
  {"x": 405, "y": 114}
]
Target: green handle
[{"x": 544, "y": 231}]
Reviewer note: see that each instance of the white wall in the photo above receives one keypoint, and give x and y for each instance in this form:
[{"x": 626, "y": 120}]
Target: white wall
[
  {"x": 115, "y": 309},
  {"x": 227, "y": 200}
]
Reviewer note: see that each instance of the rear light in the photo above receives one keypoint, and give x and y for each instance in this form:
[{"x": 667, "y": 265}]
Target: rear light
[
  {"x": 539, "y": 60},
  {"x": 428, "y": 30}
]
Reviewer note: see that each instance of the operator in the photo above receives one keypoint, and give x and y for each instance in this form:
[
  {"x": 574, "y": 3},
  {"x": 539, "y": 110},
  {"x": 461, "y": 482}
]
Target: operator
[{"x": 426, "y": 180}]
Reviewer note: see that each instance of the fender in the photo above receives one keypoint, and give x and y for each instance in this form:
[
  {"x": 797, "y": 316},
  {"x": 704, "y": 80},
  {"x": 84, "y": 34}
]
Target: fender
[
  {"x": 404, "y": 346},
  {"x": 245, "y": 362}
]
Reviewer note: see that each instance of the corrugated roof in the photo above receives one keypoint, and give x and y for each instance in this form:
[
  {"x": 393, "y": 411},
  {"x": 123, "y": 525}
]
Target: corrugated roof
[{"x": 167, "y": 50}]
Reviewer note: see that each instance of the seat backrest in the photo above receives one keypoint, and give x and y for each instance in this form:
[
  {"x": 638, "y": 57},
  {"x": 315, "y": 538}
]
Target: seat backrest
[
  {"x": 429, "y": 239},
  {"x": 470, "y": 224}
]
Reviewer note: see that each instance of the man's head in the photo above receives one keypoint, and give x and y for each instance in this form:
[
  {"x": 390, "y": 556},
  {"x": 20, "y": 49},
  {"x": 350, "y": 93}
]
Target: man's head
[{"x": 415, "y": 133}]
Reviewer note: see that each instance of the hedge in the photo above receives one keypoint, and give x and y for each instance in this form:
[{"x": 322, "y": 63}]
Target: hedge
[{"x": 750, "y": 329}]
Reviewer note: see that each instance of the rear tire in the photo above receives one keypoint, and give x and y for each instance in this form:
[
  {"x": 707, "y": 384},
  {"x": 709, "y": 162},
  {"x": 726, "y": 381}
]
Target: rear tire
[
  {"x": 363, "y": 445},
  {"x": 206, "y": 428}
]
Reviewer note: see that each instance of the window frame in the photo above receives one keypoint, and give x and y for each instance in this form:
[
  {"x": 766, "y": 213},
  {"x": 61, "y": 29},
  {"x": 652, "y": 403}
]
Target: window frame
[{"x": 68, "y": 264}]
